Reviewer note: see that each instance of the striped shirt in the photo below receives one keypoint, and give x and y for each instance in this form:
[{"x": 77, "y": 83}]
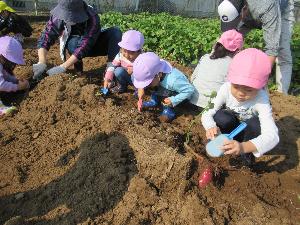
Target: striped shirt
[{"x": 56, "y": 28}]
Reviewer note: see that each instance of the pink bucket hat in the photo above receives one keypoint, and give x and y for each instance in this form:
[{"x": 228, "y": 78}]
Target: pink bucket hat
[
  {"x": 12, "y": 50},
  {"x": 146, "y": 67},
  {"x": 231, "y": 40},
  {"x": 132, "y": 40},
  {"x": 250, "y": 67}
]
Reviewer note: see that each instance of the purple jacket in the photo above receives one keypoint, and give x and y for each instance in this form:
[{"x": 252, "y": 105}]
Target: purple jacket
[
  {"x": 56, "y": 27},
  {"x": 8, "y": 83}
]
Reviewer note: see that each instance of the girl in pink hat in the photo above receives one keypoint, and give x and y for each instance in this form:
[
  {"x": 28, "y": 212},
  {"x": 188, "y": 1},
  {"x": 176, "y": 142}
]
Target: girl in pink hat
[
  {"x": 212, "y": 68},
  {"x": 11, "y": 54},
  {"x": 244, "y": 98},
  {"x": 131, "y": 47}
]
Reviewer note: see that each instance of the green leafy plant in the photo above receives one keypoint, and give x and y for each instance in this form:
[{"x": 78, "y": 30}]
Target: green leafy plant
[
  {"x": 197, "y": 118},
  {"x": 185, "y": 40}
]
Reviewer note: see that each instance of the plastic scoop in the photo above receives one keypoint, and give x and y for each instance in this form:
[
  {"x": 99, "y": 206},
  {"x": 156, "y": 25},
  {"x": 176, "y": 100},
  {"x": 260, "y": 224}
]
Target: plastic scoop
[{"x": 213, "y": 148}]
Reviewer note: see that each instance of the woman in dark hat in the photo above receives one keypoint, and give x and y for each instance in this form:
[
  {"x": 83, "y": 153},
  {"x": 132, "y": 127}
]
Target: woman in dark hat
[{"x": 78, "y": 26}]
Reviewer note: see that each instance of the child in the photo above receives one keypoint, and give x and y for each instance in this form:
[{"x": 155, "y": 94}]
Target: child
[
  {"x": 131, "y": 46},
  {"x": 10, "y": 22},
  {"x": 173, "y": 87},
  {"x": 212, "y": 68},
  {"x": 11, "y": 54},
  {"x": 244, "y": 98}
]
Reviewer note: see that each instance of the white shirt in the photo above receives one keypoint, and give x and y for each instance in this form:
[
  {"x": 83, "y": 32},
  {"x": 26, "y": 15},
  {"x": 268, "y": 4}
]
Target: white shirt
[
  {"x": 208, "y": 76},
  {"x": 259, "y": 106}
]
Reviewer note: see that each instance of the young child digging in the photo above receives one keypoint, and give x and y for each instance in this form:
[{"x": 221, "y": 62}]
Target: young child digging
[
  {"x": 244, "y": 98},
  {"x": 11, "y": 54},
  {"x": 121, "y": 67},
  {"x": 173, "y": 87},
  {"x": 212, "y": 68}
]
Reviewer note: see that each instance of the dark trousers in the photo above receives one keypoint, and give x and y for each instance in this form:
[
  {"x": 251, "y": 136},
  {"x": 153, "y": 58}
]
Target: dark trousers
[
  {"x": 123, "y": 78},
  {"x": 227, "y": 121},
  {"x": 106, "y": 44}
]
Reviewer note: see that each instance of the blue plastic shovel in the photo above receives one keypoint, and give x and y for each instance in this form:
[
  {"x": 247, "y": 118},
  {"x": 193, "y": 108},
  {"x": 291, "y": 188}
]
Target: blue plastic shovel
[{"x": 213, "y": 148}]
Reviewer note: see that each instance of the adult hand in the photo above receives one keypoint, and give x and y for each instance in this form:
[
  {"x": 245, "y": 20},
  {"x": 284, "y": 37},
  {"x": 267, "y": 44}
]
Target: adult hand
[
  {"x": 232, "y": 147},
  {"x": 212, "y": 132},
  {"x": 23, "y": 84},
  {"x": 56, "y": 70},
  {"x": 38, "y": 69}
]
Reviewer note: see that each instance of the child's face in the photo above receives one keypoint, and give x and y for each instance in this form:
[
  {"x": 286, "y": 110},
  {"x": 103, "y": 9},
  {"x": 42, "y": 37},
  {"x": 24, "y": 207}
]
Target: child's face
[
  {"x": 130, "y": 55},
  {"x": 243, "y": 93}
]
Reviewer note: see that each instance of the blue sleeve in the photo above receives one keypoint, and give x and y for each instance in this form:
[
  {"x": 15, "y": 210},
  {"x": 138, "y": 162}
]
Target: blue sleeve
[{"x": 184, "y": 89}]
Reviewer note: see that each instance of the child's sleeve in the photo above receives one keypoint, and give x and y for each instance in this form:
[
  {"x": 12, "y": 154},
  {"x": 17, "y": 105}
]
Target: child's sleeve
[
  {"x": 184, "y": 89},
  {"x": 207, "y": 118},
  {"x": 269, "y": 132},
  {"x": 109, "y": 74},
  {"x": 7, "y": 86},
  {"x": 117, "y": 60}
]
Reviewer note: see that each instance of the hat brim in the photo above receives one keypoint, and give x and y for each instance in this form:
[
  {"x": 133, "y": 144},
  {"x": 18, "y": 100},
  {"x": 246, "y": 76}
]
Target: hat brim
[
  {"x": 225, "y": 26},
  {"x": 166, "y": 67},
  {"x": 247, "y": 81},
  {"x": 127, "y": 47},
  {"x": 69, "y": 16},
  {"x": 141, "y": 84},
  {"x": 16, "y": 61}
]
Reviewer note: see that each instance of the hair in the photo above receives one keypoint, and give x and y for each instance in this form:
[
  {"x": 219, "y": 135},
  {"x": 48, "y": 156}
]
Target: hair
[
  {"x": 220, "y": 52},
  {"x": 11, "y": 22},
  {"x": 7, "y": 65}
]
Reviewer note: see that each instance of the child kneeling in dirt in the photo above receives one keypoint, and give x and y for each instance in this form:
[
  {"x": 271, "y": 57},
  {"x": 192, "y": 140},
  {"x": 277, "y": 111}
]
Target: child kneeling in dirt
[
  {"x": 11, "y": 54},
  {"x": 244, "y": 98},
  {"x": 212, "y": 68},
  {"x": 173, "y": 87},
  {"x": 131, "y": 47}
]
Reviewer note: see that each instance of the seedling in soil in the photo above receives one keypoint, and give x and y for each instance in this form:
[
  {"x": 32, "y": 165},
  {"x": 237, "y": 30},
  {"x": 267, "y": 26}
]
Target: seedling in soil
[
  {"x": 206, "y": 176},
  {"x": 209, "y": 106},
  {"x": 73, "y": 76}
]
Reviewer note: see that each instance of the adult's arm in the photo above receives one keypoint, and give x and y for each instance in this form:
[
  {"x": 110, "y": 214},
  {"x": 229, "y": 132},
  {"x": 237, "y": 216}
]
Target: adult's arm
[
  {"x": 89, "y": 38},
  {"x": 52, "y": 31},
  {"x": 271, "y": 26}
]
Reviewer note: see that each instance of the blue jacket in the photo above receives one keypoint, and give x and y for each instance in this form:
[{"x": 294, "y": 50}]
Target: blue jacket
[{"x": 176, "y": 81}]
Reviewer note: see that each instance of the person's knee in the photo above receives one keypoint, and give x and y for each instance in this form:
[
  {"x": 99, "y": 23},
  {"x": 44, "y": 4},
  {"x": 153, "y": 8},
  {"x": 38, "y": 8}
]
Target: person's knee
[
  {"x": 253, "y": 128},
  {"x": 120, "y": 72},
  {"x": 117, "y": 33},
  {"x": 225, "y": 119}
]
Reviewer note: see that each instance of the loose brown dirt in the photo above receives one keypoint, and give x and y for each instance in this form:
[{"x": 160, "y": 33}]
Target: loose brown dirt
[{"x": 71, "y": 157}]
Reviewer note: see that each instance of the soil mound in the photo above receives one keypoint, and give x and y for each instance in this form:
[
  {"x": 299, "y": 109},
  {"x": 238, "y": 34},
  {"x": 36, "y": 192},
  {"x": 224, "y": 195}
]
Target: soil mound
[{"x": 71, "y": 157}]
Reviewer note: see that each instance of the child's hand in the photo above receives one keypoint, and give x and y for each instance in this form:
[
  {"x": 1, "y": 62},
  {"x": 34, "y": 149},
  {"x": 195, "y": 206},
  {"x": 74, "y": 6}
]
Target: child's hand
[
  {"x": 212, "y": 132},
  {"x": 167, "y": 102},
  {"x": 232, "y": 147},
  {"x": 129, "y": 70},
  {"x": 23, "y": 84}
]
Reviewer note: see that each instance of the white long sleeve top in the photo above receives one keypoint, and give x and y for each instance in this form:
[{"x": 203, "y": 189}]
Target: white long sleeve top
[{"x": 259, "y": 106}]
